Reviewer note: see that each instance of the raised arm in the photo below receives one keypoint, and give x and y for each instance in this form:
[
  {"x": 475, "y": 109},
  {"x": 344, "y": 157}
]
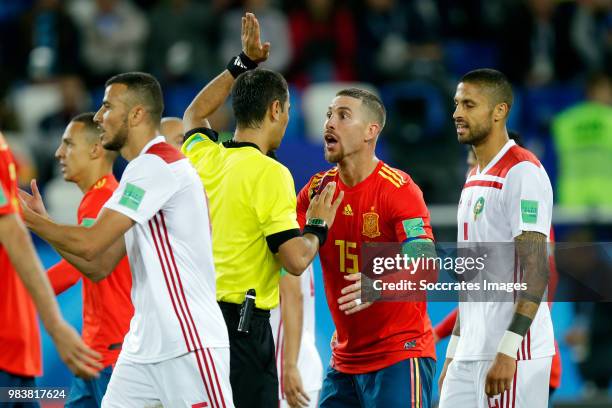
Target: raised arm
[{"x": 216, "y": 92}]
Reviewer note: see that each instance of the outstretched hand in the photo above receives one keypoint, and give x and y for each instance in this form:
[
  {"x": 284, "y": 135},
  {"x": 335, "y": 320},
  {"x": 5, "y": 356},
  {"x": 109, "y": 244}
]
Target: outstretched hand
[
  {"x": 80, "y": 359},
  {"x": 33, "y": 201},
  {"x": 251, "y": 39}
]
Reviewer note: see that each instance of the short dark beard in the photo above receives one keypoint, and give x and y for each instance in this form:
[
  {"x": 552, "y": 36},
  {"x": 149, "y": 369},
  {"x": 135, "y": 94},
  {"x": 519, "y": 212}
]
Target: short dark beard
[
  {"x": 478, "y": 135},
  {"x": 120, "y": 139}
]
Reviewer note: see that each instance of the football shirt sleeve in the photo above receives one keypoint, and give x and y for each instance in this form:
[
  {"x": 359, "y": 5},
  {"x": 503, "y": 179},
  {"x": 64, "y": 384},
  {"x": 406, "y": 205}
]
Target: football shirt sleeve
[
  {"x": 62, "y": 276},
  {"x": 198, "y": 143},
  {"x": 6, "y": 206},
  {"x": 527, "y": 199},
  {"x": 409, "y": 214},
  {"x": 274, "y": 204},
  {"x": 146, "y": 185},
  {"x": 303, "y": 201}
]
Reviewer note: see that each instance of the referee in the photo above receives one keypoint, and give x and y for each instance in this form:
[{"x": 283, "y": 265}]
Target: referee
[{"x": 253, "y": 209}]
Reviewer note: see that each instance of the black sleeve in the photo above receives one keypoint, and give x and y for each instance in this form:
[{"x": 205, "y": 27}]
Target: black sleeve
[
  {"x": 276, "y": 240},
  {"x": 212, "y": 134}
]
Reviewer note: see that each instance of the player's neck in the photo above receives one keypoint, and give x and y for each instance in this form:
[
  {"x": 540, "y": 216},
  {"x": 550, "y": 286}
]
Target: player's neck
[
  {"x": 486, "y": 151},
  {"x": 255, "y": 136},
  {"x": 94, "y": 173},
  {"x": 137, "y": 140},
  {"x": 353, "y": 170}
]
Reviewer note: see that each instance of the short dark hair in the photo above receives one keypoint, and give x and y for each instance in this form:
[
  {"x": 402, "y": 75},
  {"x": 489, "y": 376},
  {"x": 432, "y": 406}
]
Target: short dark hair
[
  {"x": 253, "y": 92},
  {"x": 146, "y": 89},
  {"x": 93, "y": 132},
  {"x": 516, "y": 136},
  {"x": 370, "y": 101},
  {"x": 496, "y": 83},
  {"x": 87, "y": 118}
]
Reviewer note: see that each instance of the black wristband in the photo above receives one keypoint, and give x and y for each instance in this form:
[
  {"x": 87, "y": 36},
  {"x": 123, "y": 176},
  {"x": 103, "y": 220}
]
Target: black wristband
[
  {"x": 319, "y": 231},
  {"x": 239, "y": 64}
]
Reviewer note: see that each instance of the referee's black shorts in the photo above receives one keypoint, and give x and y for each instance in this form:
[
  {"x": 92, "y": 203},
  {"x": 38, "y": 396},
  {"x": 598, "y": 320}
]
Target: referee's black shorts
[{"x": 252, "y": 359}]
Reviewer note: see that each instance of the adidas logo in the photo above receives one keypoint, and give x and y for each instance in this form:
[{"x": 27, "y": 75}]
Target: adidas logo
[
  {"x": 238, "y": 63},
  {"x": 347, "y": 210}
]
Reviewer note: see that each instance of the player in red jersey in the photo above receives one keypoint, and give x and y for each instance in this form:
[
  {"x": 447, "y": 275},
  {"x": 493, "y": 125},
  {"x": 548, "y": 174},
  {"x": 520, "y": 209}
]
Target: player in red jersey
[
  {"x": 384, "y": 356},
  {"x": 23, "y": 288},
  {"x": 107, "y": 307}
]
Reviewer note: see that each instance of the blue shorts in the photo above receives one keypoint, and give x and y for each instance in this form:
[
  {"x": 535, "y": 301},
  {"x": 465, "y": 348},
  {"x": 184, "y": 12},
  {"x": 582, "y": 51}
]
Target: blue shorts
[
  {"x": 89, "y": 393},
  {"x": 16, "y": 381},
  {"x": 407, "y": 383}
]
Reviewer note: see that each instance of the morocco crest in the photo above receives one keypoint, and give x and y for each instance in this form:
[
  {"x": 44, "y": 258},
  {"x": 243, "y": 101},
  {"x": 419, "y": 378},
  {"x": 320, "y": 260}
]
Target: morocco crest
[{"x": 370, "y": 225}]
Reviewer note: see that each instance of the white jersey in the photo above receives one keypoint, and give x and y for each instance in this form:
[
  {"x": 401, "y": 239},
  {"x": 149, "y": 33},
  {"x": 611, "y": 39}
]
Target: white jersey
[
  {"x": 309, "y": 361},
  {"x": 170, "y": 254},
  {"x": 511, "y": 195}
]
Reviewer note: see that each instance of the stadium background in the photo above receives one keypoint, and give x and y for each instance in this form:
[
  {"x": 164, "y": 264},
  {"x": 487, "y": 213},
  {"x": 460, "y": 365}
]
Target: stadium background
[{"x": 55, "y": 56}]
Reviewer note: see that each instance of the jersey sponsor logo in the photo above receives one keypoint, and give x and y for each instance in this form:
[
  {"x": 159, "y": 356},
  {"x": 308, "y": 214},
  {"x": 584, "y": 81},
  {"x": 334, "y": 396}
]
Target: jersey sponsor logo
[
  {"x": 478, "y": 207},
  {"x": 132, "y": 197},
  {"x": 370, "y": 225},
  {"x": 88, "y": 222},
  {"x": 529, "y": 211},
  {"x": 3, "y": 199},
  {"x": 347, "y": 210},
  {"x": 414, "y": 227}
]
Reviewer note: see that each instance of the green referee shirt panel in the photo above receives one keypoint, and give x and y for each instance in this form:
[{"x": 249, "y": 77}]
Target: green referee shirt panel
[
  {"x": 583, "y": 140},
  {"x": 251, "y": 196}
]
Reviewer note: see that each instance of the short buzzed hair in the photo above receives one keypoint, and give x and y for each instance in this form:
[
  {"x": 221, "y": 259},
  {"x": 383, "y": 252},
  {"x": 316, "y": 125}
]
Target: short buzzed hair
[
  {"x": 92, "y": 132},
  {"x": 495, "y": 82},
  {"x": 253, "y": 93},
  {"x": 146, "y": 90},
  {"x": 370, "y": 101},
  {"x": 87, "y": 119}
]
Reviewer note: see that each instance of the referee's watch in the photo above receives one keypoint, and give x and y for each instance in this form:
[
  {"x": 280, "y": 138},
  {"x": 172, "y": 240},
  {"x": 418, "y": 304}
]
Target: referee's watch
[
  {"x": 317, "y": 227},
  {"x": 316, "y": 222}
]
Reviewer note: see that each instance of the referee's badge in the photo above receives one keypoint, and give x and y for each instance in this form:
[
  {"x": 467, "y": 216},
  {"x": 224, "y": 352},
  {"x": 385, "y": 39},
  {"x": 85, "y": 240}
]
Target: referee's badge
[
  {"x": 370, "y": 225},
  {"x": 478, "y": 207}
]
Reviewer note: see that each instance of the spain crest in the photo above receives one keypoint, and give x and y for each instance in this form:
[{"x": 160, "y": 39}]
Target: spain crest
[{"x": 370, "y": 225}]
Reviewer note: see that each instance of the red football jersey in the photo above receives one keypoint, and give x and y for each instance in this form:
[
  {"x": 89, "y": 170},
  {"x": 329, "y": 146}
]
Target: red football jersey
[
  {"x": 19, "y": 336},
  {"x": 107, "y": 306},
  {"x": 382, "y": 208}
]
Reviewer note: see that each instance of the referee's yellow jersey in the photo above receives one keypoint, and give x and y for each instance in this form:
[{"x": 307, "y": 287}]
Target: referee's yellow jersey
[{"x": 252, "y": 203}]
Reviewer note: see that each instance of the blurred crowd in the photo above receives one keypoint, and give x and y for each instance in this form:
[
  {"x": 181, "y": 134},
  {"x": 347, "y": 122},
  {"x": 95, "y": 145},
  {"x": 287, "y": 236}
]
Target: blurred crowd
[{"x": 56, "y": 54}]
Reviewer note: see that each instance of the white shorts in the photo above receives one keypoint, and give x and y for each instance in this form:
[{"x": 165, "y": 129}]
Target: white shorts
[
  {"x": 464, "y": 385},
  {"x": 313, "y": 403},
  {"x": 185, "y": 381}
]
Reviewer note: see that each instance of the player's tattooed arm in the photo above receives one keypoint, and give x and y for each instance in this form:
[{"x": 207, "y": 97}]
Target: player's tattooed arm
[
  {"x": 532, "y": 251},
  {"x": 531, "y": 248}
]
